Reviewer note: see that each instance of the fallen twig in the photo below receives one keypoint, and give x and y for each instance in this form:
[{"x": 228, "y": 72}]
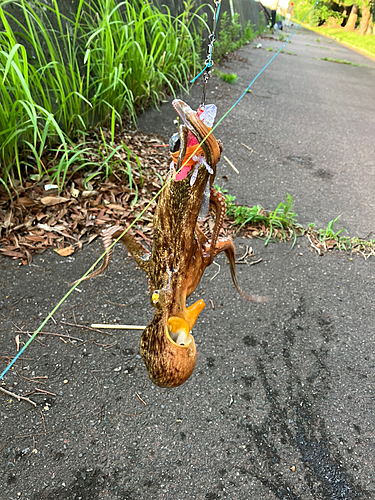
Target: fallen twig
[
  {"x": 37, "y": 434},
  {"x": 119, "y": 327},
  {"x": 105, "y": 345},
  {"x": 55, "y": 335},
  {"x": 19, "y": 300},
  {"x": 46, "y": 392},
  {"x": 19, "y": 330},
  {"x": 92, "y": 328},
  {"x": 214, "y": 276},
  {"x": 244, "y": 255},
  {"x": 249, "y": 148},
  {"x": 17, "y": 396},
  {"x": 140, "y": 399},
  {"x": 255, "y": 262},
  {"x": 44, "y": 424},
  {"x": 30, "y": 380},
  {"x": 231, "y": 164}
]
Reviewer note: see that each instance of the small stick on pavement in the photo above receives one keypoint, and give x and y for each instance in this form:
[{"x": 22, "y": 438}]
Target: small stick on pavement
[
  {"x": 61, "y": 335},
  {"x": 231, "y": 164},
  {"x": 45, "y": 392},
  {"x": 244, "y": 255},
  {"x": 30, "y": 380},
  {"x": 105, "y": 345},
  {"x": 140, "y": 399},
  {"x": 214, "y": 276},
  {"x": 92, "y": 328},
  {"x": 17, "y": 396},
  {"x": 26, "y": 333},
  {"x": 249, "y": 148},
  {"x": 255, "y": 262},
  {"x": 212, "y": 304},
  {"x": 119, "y": 327},
  {"x": 54, "y": 334}
]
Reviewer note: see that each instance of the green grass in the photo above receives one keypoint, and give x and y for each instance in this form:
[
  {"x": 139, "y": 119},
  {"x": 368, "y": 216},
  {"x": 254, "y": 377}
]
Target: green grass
[
  {"x": 269, "y": 49},
  {"x": 231, "y": 36},
  {"x": 365, "y": 43},
  {"x": 282, "y": 224},
  {"x": 278, "y": 223},
  {"x": 61, "y": 76},
  {"x": 226, "y": 77},
  {"x": 340, "y": 61}
]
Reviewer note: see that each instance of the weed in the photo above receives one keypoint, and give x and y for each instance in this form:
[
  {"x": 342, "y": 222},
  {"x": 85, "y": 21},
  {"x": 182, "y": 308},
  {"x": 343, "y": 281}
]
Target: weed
[
  {"x": 281, "y": 37},
  {"x": 283, "y": 217},
  {"x": 329, "y": 232},
  {"x": 269, "y": 49},
  {"x": 340, "y": 61},
  {"x": 353, "y": 39},
  {"x": 231, "y": 36},
  {"x": 277, "y": 222},
  {"x": 282, "y": 224},
  {"x": 61, "y": 75},
  {"x": 226, "y": 77}
]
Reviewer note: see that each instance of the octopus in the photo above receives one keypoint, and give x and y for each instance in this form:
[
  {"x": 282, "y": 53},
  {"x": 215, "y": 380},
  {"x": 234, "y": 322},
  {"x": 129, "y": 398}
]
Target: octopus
[{"x": 180, "y": 254}]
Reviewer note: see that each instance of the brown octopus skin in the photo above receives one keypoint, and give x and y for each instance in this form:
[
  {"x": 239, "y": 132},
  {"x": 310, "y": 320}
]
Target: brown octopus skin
[{"x": 180, "y": 254}]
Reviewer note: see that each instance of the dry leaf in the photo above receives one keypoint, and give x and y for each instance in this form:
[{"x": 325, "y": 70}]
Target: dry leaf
[
  {"x": 116, "y": 207},
  {"x": 64, "y": 252},
  {"x": 49, "y": 201},
  {"x": 73, "y": 191},
  {"x": 7, "y": 220}
]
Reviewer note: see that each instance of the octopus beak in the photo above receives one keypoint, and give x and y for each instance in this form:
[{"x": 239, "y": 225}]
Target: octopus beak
[
  {"x": 179, "y": 331},
  {"x": 179, "y": 328}
]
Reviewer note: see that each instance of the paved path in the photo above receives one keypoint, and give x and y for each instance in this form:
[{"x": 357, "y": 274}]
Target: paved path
[{"x": 281, "y": 404}]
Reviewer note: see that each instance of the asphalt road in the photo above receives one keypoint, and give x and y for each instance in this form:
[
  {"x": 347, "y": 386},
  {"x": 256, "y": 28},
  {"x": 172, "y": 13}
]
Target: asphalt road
[{"x": 281, "y": 403}]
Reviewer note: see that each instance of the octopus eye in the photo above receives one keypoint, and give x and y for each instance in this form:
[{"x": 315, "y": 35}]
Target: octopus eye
[
  {"x": 155, "y": 297},
  {"x": 174, "y": 143}
]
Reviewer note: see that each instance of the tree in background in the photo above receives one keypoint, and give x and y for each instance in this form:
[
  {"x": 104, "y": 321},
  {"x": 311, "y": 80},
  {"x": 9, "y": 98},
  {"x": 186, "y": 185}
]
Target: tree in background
[
  {"x": 366, "y": 18},
  {"x": 345, "y": 13}
]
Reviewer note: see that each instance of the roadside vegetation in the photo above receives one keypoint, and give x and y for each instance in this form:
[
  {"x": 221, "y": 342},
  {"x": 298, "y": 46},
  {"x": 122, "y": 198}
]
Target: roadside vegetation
[
  {"x": 341, "y": 61},
  {"x": 282, "y": 224},
  {"x": 349, "y": 22},
  {"x": 64, "y": 76},
  {"x": 353, "y": 39},
  {"x": 67, "y": 81},
  {"x": 232, "y": 36}
]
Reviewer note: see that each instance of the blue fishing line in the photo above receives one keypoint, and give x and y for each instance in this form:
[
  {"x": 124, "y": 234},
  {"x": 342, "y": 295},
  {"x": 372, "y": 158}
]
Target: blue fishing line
[
  {"x": 209, "y": 62},
  {"x": 92, "y": 267}
]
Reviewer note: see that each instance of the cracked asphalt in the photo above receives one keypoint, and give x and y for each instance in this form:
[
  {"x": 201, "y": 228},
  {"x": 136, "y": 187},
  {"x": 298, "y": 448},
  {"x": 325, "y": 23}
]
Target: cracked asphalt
[{"x": 281, "y": 402}]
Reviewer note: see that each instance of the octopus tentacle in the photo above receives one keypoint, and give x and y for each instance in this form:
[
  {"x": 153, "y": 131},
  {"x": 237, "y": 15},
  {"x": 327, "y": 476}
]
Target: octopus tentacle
[
  {"x": 139, "y": 253},
  {"x": 217, "y": 200},
  {"x": 226, "y": 245}
]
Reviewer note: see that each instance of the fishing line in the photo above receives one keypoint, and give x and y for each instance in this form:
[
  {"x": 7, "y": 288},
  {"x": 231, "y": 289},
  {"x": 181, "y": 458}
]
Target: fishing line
[
  {"x": 257, "y": 76},
  {"x": 146, "y": 207}
]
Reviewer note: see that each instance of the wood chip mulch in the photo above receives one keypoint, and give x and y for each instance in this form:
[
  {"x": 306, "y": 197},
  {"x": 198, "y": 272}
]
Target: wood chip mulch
[{"x": 39, "y": 218}]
